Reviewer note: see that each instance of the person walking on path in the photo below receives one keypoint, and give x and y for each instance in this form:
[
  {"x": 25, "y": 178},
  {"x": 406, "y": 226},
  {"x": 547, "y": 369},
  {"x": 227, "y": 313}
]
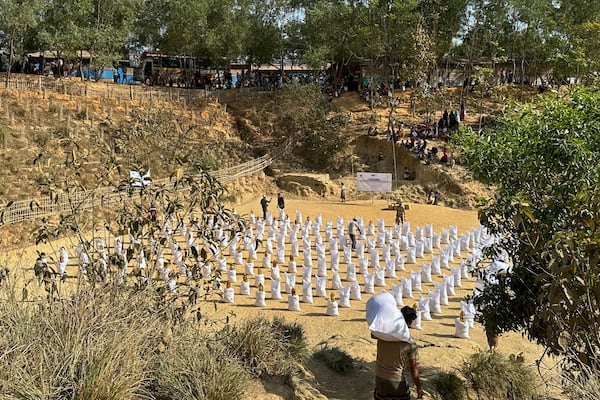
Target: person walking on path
[
  {"x": 264, "y": 203},
  {"x": 343, "y": 193}
]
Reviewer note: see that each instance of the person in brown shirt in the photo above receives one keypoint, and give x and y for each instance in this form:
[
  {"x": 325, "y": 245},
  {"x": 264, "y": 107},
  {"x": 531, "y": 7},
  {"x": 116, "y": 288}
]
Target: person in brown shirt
[{"x": 393, "y": 358}]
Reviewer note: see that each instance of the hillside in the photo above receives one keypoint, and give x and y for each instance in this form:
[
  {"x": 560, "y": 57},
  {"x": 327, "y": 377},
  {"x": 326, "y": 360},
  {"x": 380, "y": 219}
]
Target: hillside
[
  {"x": 185, "y": 130},
  {"x": 83, "y": 135}
]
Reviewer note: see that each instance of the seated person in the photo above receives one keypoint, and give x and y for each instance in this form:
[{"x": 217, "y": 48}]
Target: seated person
[{"x": 444, "y": 159}]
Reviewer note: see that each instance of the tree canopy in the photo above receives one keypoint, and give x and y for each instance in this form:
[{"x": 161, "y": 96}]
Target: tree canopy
[
  {"x": 544, "y": 160},
  {"x": 551, "y": 35}
]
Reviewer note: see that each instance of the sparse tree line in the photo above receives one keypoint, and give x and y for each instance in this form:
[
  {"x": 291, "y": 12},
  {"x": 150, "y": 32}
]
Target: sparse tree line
[{"x": 408, "y": 39}]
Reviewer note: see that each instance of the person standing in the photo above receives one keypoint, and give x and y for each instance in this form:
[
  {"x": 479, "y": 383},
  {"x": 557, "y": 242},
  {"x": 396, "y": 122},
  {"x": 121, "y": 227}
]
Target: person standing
[
  {"x": 399, "y": 213},
  {"x": 392, "y": 360},
  {"x": 264, "y": 203},
  {"x": 343, "y": 193},
  {"x": 352, "y": 229},
  {"x": 281, "y": 206}
]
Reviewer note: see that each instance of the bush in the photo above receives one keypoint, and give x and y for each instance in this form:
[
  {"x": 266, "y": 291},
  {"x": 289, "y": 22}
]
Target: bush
[
  {"x": 335, "y": 359},
  {"x": 94, "y": 345},
  {"x": 309, "y": 119},
  {"x": 42, "y": 138},
  {"x": 264, "y": 350},
  {"x": 294, "y": 337},
  {"x": 193, "y": 367},
  {"x": 449, "y": 386},
  {"x": 494, "y": 376}
]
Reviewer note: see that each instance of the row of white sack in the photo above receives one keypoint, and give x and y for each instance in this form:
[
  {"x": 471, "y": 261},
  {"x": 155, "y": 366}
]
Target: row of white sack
[
  {"x": 387, "y": 238},
  {"x": 446, "y": 255},
  {"x": 384, "y": 235},
  {"x": 442, "y": 260},
  {"x": 402, "y": 290},
  {"x": 315, "y": 227},
  {"x": 378, "y": 276}
]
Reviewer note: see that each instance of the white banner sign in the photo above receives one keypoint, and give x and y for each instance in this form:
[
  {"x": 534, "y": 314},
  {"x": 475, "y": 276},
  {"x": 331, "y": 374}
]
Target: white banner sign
[{"x": 373, "y": 182}]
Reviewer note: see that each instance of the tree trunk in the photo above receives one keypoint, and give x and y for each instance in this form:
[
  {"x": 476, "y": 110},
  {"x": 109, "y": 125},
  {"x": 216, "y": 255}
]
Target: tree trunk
[
  {"x": 10, "y": 60},
  {"x": 522, "y": 76},
  {"x": 492, "y": 339}
]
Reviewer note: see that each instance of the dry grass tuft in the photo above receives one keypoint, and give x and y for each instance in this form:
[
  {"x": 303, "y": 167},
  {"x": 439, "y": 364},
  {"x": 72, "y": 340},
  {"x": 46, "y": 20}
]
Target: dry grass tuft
[
  {"x": 495, "y": 376},
  {"x": 335, "y": 359},
  {"x": 196, "y": 367},
  {"x": 449, "y": 386},
  {"x": 266, "y": 347},
  {"x": 93, "y": 345}
]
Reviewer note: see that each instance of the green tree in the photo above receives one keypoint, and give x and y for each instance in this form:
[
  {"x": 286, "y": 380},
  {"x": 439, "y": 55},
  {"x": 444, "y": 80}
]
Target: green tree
[
  {"x": 101, "y": 27},
  {"x": 208, "y": 29},
  {"x": 16, "y": 18},
  {"x": 544, "y": 161},
  {"x": 444, "y": 21},
  {"x": 330, "y": 33},
  {"x": 310, "y": 122}
]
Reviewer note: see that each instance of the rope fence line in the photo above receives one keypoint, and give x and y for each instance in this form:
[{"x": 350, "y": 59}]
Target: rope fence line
[{"x": 27, "y": 210}]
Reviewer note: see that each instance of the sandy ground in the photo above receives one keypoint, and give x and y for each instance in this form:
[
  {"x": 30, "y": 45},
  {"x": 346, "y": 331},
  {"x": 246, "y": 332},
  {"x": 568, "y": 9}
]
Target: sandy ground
[{"x": 440, "y": 350}]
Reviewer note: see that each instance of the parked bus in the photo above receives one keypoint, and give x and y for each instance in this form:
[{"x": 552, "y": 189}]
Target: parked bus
[{"x": 157, "y": 68}]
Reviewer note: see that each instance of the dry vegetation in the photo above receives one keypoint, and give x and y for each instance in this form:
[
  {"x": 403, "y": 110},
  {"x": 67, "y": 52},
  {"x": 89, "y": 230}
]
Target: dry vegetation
[{"x": 82, "y": 349}]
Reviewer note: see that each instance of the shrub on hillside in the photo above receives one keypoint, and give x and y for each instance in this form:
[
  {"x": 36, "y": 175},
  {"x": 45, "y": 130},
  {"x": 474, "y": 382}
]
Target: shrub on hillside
[
  {"x": 196, "y": 367},
  {"x": 306, "y": 116},
  {"x": 265, "y": 347},
  {"x": 495, "y": 376},
  {"x": 449, "y": 386},
  {"x": 93, "y": 345}
]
